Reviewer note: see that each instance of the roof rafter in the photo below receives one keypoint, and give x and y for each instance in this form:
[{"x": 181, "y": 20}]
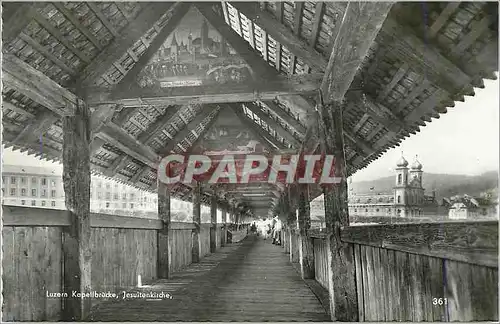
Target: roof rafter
[
  {"x": 177, "y": 12},
  {"x": 264, "y": 136},
  {"x": 35, "y": 85},
  {"x": 282, "y": 34},
  {"x": 119, "y": 46}
]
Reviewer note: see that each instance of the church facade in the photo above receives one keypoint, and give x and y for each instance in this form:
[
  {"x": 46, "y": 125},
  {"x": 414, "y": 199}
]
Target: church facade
[{"x": 407, "y": 199}]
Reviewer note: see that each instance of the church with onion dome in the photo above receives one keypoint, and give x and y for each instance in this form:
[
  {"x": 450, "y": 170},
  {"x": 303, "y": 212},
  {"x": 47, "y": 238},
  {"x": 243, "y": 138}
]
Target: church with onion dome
[{"x": 407, "y": 199}]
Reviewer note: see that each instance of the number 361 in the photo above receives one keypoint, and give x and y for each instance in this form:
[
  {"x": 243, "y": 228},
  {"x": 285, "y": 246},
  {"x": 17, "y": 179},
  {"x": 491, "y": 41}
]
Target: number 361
[{"x": 439, "y": 301}]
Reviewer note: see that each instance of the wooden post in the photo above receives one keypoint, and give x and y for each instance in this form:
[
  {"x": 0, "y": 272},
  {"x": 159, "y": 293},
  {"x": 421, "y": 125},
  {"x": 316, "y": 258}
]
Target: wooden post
[
  {"x": 306, "y": 248},
  {"x": 213, "y": 226},
  {"x": 224, "y": 227},
  {"x": 164, "y": 248},
  {"x": 290, "y": 220},
  {"x": 77, "y": 255},
  {"x": 196, "y": 221},
  {"x": 342, "y": 282}
]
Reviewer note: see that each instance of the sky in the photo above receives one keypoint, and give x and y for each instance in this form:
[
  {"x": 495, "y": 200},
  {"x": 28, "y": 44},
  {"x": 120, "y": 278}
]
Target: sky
[{"x": 465, "y": 140}]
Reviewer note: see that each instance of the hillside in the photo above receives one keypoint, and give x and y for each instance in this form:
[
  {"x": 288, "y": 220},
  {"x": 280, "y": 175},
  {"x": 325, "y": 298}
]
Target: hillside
[{"x": 446, "y": 185}]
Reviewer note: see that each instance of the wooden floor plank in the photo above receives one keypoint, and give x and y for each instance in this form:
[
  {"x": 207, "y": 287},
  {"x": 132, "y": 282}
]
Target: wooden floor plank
[{"x": 247, "y": 281}]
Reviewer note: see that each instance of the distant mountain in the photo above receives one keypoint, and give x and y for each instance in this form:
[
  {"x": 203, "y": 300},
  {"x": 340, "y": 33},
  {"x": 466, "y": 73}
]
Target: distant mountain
[{"x": 446, "y": 185}]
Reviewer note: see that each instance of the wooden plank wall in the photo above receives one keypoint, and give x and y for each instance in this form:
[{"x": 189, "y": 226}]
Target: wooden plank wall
[
  {"x": 181, "y": 243},
  {"x": 402, "y": 286},
  {"x": 204, "y": 240},
  {"x": 32, "y": 258},
  {"x": 421, "y": 272},
  {"x": 320, "y": 262},
  {"x": 123, "y": 248},
  {"x": 120, "y": 256}
]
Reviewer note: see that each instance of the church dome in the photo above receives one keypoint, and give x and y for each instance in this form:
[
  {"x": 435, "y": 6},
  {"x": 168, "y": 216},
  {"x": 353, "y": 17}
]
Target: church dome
[
  {"x": 416, "y": 165},
  {"x": 402, "y": 162}
]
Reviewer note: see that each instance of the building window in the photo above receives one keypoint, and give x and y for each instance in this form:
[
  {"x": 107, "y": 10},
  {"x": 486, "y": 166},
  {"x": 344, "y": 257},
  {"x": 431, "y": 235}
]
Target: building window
[
  {"x": 115, "y": 196},
  {"x": 99, "y": 184},
  {"x": 131, "y": 206},
  {"x": 132, "y": 196},
  {"x": 400, "y": 177},
  {"x": 355, "y": 209},
  {"x": 23, "y": 192},
  {"x": 33, "y": 192},
  {"x": 107, "y": 204},
  {"x": 108, "y": 195},
  {"x": 53, "y": 183},
  {"x": 399, "y": 199},
  {"x": 33, "y": 203},
  {"x": 116, "y": 185},
  {"x": 44, "y": 181},
  {"x": 99, "y": 195},
  {"x": 124, "y": 205},
  {"x": 23, "y": 202},
  {"x": 33, "y": 180},
  {"x": 53, "y": 203},
  {"x": 13, "y": 180},
  {"x": 44, "y": 193},
  {"x": 23, "y": 180},
  {"x": 53, "y": 193},
  {"x": 43, "y": 203},
  {"x": 366, "y": 210},
  {"x": 406, "y": 178},
  {"x": 380, "y": 200},
  {"x": 12, "y": 191},
  {"x": 377, "y": 210},
  {"x": 399, "y": 212},
  {"x": 124, "y": 197}
]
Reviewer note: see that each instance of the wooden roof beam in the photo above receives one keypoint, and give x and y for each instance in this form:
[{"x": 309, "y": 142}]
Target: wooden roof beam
[
  {"x": 35, "y": 85},
  {"x": 282, "y": 34},
  {"x": 16, "y": 16},
  {"x": 117, "y": 137},
  {"x": 19, "y": 110},
  {"x": 76, "y": 22},
  {"x": 120, "y": 44},
  {"x": 187, "y": 129},
  {"x": 37, "y": 127},
  {"x": 271, "y": 122},
  {"x": 360, "y": 25},
  {"x": 425, "y": 59},
  {"x": 292, "y": 122},
  {"x": 178, "y": 11},
  {"x": 232, "y": 92},
  {"x": 264, "y": 136}
]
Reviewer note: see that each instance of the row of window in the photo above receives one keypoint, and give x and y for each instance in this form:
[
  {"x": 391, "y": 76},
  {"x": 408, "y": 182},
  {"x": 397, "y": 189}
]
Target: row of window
[
  {"x": 43, "y": 192},
  {"x": 44, "y": 203},
  {"x": 369, "y": 200},
  {"x": 13, "y": 180}
]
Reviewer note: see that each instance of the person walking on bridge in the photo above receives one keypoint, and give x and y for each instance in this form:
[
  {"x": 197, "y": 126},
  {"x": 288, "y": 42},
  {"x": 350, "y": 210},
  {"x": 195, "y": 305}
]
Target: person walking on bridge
[{"x": 277, "y": 231}]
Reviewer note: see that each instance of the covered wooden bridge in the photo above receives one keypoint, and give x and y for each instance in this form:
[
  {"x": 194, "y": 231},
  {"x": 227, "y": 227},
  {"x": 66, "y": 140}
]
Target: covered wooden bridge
[{"x": 110, "y": 88}]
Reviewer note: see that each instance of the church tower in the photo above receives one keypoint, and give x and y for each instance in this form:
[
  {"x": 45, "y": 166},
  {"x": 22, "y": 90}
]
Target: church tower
[
  {"x": 416, "y": 172},
  {"x": 401, "y": 187},
  {"x": 174, "y": 50}
]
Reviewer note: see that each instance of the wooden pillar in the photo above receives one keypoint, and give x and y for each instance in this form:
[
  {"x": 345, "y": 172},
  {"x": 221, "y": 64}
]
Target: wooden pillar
[
  {"x": 306, "y": 248},
  {"x": 197, "y": 222},
  {"x": 213, "y": 225},
  {"x": 77, "y": 255},
  {"x": 342, "y": 286},
  {"x": 164, "y": 247},
  {"x": 224, "y": 228},
  {"x": 290, "y": 220}
]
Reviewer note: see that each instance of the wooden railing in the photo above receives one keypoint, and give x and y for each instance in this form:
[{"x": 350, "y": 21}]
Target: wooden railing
[
  {"x": 123, "y": 248},
  {"x": 420, "y": 272}
]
